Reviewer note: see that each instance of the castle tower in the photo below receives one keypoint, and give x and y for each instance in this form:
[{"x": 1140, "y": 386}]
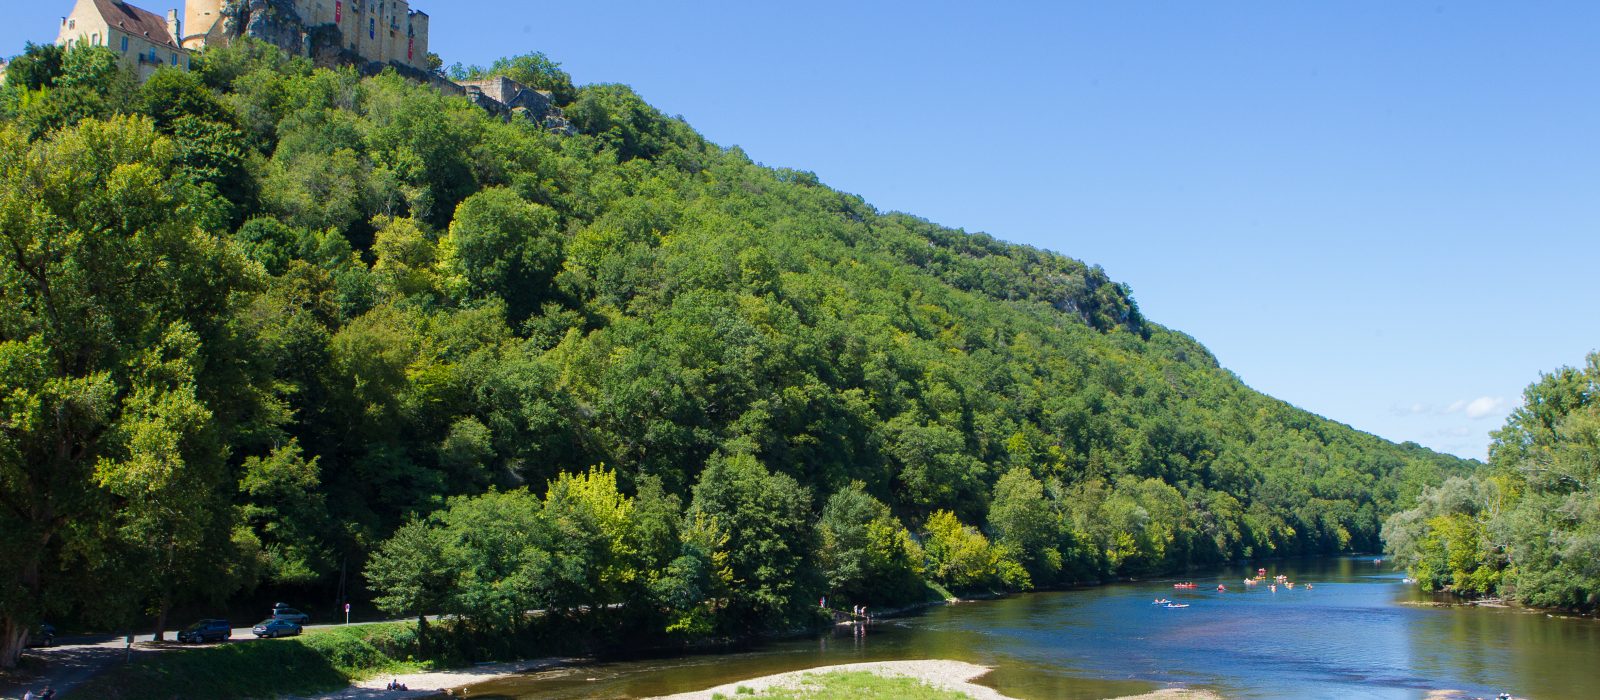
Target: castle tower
[
  {"x": 417, "y": 41},
  {"x": 199, "y": 17}
]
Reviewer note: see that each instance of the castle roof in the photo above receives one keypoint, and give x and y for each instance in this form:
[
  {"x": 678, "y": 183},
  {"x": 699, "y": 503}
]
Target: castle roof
[{"x": 136, "y": 21}]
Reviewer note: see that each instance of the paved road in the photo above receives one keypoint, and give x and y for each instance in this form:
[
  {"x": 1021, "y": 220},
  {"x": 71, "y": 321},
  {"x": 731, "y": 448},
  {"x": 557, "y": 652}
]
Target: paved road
[
  {"x": 75, "y": 659},
  {"x": 238, "y": 634}
]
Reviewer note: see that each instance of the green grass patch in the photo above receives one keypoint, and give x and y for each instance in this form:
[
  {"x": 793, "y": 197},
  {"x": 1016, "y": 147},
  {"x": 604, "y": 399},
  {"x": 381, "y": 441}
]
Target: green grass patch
[
  {"x": 855, "y": 685},
  {"x": 318, "y": 661}
]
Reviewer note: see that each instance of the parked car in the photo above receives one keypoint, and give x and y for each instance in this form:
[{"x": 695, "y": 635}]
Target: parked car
[
  {"x": 276, "y": 628},
  {"x": 42, "y": 636},
  {"x": 206, "y": 631},
  {"x": 284, "y": 612}
]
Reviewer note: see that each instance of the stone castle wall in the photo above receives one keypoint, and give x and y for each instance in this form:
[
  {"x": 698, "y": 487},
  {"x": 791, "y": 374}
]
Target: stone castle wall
[{"x": 386, "y": 32}]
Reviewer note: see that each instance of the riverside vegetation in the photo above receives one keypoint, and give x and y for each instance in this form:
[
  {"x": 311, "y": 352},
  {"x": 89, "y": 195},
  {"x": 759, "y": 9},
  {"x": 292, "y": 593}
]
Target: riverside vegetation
[
  {"x": 1526, "y": 527},
  {"x": 274, "y": 328}
]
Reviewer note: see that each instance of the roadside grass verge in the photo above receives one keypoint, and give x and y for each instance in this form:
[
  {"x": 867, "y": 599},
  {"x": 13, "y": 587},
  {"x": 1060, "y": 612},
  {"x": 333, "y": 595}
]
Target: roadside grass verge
[
  {"x": 850, "y": 685},
  {"x": 318, "y": 661}
]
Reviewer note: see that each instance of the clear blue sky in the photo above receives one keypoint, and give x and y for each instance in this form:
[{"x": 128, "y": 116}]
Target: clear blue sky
[{"x": 1386, "y": 213}]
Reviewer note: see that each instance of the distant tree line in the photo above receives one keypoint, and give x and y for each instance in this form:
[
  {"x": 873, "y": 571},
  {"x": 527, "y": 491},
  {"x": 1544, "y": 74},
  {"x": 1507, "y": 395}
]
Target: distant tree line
[{"x": 266, "y": 325}]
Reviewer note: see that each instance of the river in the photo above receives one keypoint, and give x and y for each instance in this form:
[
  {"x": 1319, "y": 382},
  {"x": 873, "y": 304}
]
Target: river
[{"x": 1358, "y": 633}]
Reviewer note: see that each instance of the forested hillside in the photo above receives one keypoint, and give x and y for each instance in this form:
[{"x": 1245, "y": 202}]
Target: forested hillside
[
  {"x": 1528, "y": 526},
  {"x": 259, "y": 317}
]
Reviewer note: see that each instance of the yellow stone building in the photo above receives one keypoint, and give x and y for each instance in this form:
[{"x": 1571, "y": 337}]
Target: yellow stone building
[
  {"x": 145, "y": 40},
  {"x": 381, "y": 31},
  {"x": 373, "y": 31}
]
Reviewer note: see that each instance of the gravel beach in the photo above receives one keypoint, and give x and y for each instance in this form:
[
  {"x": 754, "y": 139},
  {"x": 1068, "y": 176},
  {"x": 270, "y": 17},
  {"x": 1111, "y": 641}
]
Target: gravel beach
[{"x": 950, "y": 675}]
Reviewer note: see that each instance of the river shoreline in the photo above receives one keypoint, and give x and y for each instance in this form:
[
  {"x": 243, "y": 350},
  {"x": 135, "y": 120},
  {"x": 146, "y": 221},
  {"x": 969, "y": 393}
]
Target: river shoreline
[
  {"x": 1332, "y": 620},
  {"x": 430, "y": 684}
]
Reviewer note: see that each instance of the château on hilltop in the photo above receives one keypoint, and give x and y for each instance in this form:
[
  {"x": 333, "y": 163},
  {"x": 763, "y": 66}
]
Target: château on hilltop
[{"x": 371, "y": 35}]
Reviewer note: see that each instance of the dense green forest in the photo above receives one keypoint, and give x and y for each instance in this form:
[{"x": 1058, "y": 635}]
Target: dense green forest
[
  {"x": 1527, "y": 526},
  {"x": 267, "y": 327}
]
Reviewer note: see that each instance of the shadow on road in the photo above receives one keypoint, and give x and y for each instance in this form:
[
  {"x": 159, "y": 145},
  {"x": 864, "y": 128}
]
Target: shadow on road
[{"x": 64, "y": 667}]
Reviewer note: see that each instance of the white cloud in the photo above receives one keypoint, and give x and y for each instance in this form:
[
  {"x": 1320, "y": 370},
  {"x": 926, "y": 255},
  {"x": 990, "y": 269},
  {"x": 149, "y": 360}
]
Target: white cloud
[
  {"x": 1485, "y": 406},
  {"x": 1474, "y": 409}
]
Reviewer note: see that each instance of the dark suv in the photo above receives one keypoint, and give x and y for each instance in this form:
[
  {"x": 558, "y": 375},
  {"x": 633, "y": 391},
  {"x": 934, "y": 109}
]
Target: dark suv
[
  {"x": 206, "y": 631},
  {"x": 286, "y": 613},
  {"x": 42, "y": 636}
]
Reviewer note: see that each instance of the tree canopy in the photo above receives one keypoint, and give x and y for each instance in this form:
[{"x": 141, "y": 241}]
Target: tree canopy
[{"x": 273, "y": 326}]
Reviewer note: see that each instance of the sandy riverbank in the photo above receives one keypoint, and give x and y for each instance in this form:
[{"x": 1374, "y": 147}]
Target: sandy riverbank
[
  {"x": 949, "y": 675},
  {"x": 430, "y": 684}
]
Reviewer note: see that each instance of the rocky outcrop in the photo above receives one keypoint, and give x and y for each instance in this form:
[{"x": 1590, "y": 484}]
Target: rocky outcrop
[
  {"x": 273, "y": 21},
  {"x": 509, "y": 99}
]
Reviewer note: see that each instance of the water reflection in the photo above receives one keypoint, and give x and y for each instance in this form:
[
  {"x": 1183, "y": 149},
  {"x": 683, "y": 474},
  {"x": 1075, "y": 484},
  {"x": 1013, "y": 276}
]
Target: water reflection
[{"x": 1352, "y": 636}]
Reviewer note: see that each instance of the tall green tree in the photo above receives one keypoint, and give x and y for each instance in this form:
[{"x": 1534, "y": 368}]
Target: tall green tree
[
  {"x": 503, "y": 245},
  {"x": 595, "y": 563},
  {"x": 864, "y": 552},
  {"x": 1027, "y": 524},
  {"x": 113, "y": 295},
  {"x": 766, "y": 518},
  {"x": 412, "y": 574}
]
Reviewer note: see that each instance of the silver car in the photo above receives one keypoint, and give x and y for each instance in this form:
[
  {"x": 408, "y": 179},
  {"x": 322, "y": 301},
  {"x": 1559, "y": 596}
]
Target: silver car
[{"x": 276, "y": 628}]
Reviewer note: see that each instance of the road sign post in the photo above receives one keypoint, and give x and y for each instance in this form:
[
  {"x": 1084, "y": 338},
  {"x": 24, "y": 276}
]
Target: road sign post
[{"x": 347, "y": 613}]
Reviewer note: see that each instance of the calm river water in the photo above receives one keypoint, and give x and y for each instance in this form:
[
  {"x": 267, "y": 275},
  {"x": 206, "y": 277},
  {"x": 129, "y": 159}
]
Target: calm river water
[{"x": 1352, "y": 636}]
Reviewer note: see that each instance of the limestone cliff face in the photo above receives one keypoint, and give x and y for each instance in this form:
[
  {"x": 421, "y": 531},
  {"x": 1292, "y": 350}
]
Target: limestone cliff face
[{"x": 273, "y": 21}]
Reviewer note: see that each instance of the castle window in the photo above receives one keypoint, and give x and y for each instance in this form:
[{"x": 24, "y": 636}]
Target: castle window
[
  {"x": 174, "y": 59},
  {"x": 72, "y": 24},
  {"x": 124, "y": 44},
  {"x": 372, "y": 28}
]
